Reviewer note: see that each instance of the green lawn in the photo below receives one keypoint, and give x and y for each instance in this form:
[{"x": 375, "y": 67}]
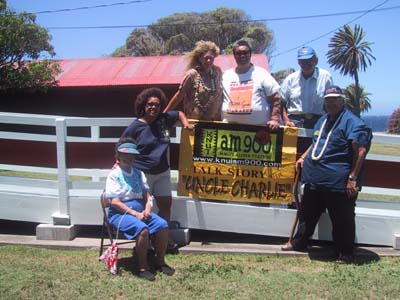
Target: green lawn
[
  {"x": 385, "y": 149},
  {"x": 35, "y": 273}
]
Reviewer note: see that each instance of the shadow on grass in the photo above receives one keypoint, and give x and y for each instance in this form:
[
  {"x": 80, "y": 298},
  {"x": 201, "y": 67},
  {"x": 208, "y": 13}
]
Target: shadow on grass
[
  {"x": 326, "y": 253},
  {"x": 130, "y": 264}
]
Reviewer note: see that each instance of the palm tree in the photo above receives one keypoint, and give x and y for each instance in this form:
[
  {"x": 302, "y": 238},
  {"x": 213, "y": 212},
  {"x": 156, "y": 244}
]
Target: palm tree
[
  {"x": 349, "y": 54},
  {"x": 351, "y": 103}
]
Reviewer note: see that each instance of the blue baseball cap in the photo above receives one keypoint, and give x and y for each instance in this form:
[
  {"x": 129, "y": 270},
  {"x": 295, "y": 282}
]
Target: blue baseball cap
[
  {"x": 305, "y": 53},
  {"x": 333, "y": 92},
  {"x": 129, "y": 148}
]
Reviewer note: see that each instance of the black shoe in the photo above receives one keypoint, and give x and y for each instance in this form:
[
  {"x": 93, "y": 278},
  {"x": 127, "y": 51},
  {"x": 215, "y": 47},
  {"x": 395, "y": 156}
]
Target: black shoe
[
  {"x": 147, "y": 275},
  {"x": 345, "y": 259},
  {"x": 165, "y": 269}
]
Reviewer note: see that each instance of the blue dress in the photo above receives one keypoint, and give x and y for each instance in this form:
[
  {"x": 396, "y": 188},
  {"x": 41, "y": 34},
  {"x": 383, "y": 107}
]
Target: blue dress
[{"x": 129, "y": 188}]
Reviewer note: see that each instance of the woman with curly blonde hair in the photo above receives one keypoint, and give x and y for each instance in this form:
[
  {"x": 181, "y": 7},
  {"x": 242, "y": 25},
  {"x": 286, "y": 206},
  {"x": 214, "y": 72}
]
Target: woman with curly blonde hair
[{"x": 201, "y": 88}]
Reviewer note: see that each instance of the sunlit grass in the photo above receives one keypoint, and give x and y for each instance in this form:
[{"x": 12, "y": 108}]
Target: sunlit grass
[
  {"x": 36, "y": 175},
  {"x": 33, "y": 273},
  {"x": 385, "y": 149}
]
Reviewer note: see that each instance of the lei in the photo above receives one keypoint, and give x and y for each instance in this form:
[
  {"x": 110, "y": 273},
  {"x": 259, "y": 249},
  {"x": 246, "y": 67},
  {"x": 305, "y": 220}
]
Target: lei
[{"x": 318, "y": 157}]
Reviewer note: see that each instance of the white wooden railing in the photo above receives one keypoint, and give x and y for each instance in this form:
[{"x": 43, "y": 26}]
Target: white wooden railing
[{"x": 67, "y": 200}]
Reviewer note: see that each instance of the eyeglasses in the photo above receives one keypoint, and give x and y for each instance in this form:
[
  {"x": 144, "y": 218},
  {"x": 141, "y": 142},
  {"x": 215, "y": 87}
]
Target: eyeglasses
[
  {"x": 208, "y": 57},
  {"x": 306, "y": 61},
  {"x": 152, "y": 104},
  {"x": 240, "y": 53}
]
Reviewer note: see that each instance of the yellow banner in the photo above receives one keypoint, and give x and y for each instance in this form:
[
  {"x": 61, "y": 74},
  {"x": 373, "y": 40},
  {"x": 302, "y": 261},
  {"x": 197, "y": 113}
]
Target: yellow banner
[{"x": 236, "y": 162}]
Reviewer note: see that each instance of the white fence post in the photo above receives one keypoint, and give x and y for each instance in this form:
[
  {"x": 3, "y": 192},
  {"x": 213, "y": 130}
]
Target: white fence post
[
  {"x": 94, "y": 137},
  {"x": 63, "y": 216}
]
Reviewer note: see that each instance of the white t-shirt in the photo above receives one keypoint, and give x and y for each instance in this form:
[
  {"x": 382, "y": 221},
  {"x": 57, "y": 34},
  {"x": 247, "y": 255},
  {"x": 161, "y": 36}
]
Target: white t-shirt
[
  {"x": 245, "y": 96},
  {"x": 305, "y": 95},
  {"x": 126, "y": 186}
]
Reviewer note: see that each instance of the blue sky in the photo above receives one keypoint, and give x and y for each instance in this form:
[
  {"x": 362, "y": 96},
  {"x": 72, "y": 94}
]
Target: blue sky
[{"x": 382, "y": 29}]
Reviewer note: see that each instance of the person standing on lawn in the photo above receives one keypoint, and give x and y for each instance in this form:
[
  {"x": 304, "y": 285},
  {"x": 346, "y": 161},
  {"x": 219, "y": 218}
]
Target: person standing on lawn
[
  {"x": 201, "y": 88},
  {"x": 302, "y": 92},
  {"x": 250, "y": 92},
  {"x": 151, "y": 130},
  {"x": 332, "y": 174}
]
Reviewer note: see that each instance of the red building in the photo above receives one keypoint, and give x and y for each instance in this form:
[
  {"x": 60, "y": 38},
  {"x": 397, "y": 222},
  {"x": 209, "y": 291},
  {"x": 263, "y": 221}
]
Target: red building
[{"x": 107, "y": 87}]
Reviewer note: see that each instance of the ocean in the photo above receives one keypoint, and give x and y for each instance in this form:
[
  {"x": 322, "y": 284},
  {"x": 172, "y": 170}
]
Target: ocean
[{"x": 377, "y": 123}]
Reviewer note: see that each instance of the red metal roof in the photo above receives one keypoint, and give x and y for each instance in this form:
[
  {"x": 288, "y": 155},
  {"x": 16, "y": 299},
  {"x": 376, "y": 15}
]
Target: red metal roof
[{"x": 143, "y": 70}]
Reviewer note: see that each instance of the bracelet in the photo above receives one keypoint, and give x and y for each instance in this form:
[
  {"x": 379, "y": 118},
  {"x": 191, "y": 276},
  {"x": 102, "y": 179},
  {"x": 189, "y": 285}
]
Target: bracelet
[{"x": 352, "y": 178}]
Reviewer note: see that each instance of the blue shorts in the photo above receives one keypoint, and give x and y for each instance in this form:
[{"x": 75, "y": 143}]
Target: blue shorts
[{"x": 132, "y": 226}]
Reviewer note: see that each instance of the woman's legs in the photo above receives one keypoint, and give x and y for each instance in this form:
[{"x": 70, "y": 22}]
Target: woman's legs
[
  {"x": 160, "y": 187},
  {"x": 161, "y": 240},
  {"x": 142, "y": 243},
  {"x": 164, "y": 204}
]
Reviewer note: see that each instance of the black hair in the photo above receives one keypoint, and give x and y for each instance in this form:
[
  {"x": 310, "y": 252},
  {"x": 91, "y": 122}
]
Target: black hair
[
  {"x": 241, "y": 43},
  {"x": 144, "y": 96}
]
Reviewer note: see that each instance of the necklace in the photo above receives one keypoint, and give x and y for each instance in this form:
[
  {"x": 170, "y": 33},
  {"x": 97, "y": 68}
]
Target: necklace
[
  {"x": 318, "y": 157},
  {"x": 211, "y": 90},
  {"x": 211, "y": 80}
]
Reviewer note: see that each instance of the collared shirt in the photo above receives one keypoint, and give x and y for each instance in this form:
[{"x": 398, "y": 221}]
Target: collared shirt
[
  {"x": 302, "y": 95},
  {"x": 126, "y": 186},
  {"x": 331, "y": 171}
]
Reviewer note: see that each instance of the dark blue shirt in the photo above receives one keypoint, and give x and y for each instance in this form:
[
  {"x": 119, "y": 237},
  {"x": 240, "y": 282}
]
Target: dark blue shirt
[
  {"x": 332, "y": 170},
  {"x": 152, "y": 141}
]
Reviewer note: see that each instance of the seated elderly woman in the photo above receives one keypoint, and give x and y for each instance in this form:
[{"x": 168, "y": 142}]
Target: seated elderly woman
[{"x": 130, "y": 209}]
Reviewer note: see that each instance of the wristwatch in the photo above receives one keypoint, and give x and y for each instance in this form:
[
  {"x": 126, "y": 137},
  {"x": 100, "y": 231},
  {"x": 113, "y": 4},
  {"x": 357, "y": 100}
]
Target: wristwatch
[{"x": 352, "y": 178}]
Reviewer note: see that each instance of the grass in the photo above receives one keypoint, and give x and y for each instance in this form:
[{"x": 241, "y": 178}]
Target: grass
[
  {"x": 36, "y": 175},
  {"x": 385, "y": 149},
  {"x": 36, "y": 273},
  {"x": 378, "y": 197}
]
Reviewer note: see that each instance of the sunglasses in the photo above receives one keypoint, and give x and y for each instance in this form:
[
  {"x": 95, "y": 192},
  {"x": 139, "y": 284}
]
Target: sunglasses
[
  {"x": 240, "y": 53},
  {"x": 152, "y": 104}
]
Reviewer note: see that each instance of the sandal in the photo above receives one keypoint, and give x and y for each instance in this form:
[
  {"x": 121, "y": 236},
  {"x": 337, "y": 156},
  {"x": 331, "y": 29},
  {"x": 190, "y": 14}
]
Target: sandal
[
  {"x": 147, "y": 275},
  {"x": 165, "y": 269}
]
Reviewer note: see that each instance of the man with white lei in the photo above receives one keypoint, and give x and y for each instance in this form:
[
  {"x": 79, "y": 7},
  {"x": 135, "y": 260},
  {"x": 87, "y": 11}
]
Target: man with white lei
[{"x": 331, "y": 174}]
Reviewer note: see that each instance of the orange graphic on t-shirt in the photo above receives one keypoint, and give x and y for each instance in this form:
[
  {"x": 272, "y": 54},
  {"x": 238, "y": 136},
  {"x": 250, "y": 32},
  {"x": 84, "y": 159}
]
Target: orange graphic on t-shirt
[{"x": 240, "y": 98}]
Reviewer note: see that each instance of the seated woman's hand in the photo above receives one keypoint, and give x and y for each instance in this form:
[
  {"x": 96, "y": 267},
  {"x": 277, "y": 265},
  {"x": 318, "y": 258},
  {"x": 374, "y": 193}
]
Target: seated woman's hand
[
  {"x": 140, "y": 215},
  {"x": 147, "y": 213}
]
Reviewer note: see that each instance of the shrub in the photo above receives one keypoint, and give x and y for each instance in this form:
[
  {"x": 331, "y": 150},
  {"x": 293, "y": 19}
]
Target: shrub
[{"x": 394, "y": 122}]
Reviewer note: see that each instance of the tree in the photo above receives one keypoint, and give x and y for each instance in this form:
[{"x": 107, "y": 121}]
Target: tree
[
  {"x": 280, "y": 75},
  {"x": 349, "y": 54},
  {"x": 22, "y": 43},
  {"x": 141, "y": 43},
  {"x": 178, "y": 33},
  {"x": 351, "y": 102},
  {"x": 3, "y": 5},
  {"x": 394, "y": 122}
]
